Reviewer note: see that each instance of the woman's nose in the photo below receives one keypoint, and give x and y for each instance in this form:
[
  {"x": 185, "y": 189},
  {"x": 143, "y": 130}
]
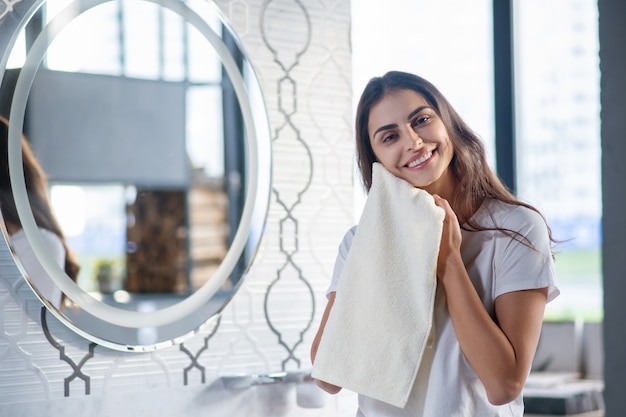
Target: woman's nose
[{"x": 413, "y": 139}]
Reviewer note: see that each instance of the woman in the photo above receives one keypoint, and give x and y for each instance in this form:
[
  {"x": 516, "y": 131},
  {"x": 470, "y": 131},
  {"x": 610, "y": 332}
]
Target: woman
[
  {"x": 495, "y": 267},
  {"x": 37, "y": 188}
]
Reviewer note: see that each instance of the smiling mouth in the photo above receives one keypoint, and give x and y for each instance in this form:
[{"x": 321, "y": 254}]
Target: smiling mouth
[{"x": 421, "y": 160}]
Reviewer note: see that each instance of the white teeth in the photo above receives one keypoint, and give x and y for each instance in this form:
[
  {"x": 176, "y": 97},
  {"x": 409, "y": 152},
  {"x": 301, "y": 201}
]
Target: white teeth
[{"x": 420, "y": 160}]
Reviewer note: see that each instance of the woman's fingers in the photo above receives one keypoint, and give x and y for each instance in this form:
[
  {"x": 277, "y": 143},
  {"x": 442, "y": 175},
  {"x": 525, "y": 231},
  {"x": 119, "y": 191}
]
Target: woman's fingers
[
  {"x": 443, "y": 203},
  {"x": 451, "y": 227}
]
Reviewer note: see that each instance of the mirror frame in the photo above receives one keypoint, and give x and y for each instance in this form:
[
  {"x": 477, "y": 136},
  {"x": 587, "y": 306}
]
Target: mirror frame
[{"x": 113, "y": 327}]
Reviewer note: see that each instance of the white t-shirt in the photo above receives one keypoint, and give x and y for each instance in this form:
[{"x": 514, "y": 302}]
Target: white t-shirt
[
  {"x": 446, "y": 385},
  {"x": 33, "y": 268}
]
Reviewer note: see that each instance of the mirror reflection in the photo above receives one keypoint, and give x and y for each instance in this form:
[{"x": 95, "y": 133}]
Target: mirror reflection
[
  {"x": 35, "y": 179},
  {"x": 139, "y": 127}
]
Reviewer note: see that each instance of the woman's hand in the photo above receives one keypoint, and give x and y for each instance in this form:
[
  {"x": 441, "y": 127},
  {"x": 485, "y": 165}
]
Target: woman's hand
[
  {"x": 450, "y": 247},
  {"x": 500, "y": 353}
]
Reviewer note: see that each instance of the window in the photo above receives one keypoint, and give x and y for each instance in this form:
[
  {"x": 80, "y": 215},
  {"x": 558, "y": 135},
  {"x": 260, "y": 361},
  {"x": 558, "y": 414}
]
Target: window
[{"x": 558, "y": 141}]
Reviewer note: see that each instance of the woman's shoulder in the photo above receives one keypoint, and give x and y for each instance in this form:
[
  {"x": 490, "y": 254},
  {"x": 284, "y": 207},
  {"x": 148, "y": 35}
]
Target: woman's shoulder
[
  {"x": 350, "y": 232},
  {"x": 509, "y": 216},
  {"x": 20, "y": 242},
  {"x": 346, "y": 242}
]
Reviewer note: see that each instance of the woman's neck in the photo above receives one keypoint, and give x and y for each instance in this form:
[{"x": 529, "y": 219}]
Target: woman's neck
[
  {"x": 444, "y": 187},
  {"x": 465, "y": 207}
]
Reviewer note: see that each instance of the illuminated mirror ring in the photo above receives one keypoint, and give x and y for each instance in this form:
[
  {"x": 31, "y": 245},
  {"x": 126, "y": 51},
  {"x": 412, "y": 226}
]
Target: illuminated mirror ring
[{"x": 105, "y": 312}]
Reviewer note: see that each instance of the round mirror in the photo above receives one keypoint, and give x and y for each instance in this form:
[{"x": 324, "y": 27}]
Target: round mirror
[{"x": 148, "y": 121}]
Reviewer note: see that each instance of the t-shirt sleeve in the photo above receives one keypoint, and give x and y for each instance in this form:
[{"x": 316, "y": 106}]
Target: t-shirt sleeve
[
  {"x": 525, "y": 262},
  {"x": 342, "y": 253}
]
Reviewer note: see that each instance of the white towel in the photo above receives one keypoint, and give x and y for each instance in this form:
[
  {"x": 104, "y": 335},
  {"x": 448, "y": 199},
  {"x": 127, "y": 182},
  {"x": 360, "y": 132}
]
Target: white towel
[{"x": 382, "y": 317}]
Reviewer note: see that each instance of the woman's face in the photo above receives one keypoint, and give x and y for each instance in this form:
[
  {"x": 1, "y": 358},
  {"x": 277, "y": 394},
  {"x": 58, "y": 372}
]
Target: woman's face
[{"x": 410, "y": 140}]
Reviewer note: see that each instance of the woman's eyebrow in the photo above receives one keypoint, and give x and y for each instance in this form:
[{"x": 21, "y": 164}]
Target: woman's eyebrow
[
  {"x": 385, "y": 127},
  {"x": 416, "y": 111}
]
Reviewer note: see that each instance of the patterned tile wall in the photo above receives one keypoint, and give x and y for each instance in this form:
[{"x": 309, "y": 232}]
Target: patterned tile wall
[{"x": 301, "y": 50}]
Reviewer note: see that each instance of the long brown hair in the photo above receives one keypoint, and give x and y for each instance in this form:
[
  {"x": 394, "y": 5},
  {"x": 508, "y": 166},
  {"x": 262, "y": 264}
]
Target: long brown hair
[
  {"x": 37, "y": 189},
  {"x": 474, "y": 179}
]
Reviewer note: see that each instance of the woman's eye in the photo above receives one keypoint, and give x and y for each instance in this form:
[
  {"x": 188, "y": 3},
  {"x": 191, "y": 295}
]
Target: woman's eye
[
  {"x": 420, "y": 120},
  {"x": 388, "y": 138}
]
